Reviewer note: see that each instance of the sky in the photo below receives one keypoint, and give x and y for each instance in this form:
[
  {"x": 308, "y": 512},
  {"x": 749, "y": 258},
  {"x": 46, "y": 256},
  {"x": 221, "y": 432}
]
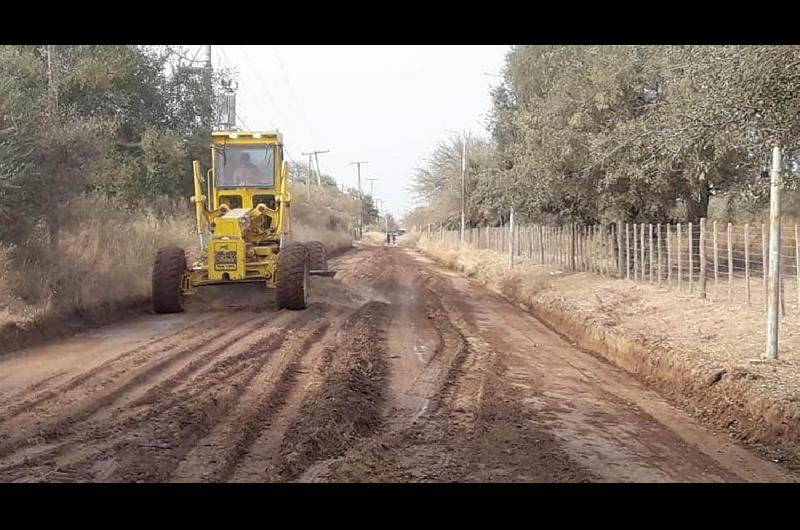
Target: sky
[{"x": 387, "y": 105}]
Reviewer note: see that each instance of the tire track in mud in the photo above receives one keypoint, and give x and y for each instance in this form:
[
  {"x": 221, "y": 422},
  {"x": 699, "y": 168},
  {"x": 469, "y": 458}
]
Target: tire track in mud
[
  {"x": 259, "y": 413},
  {"x": 149, "y": 444},
  {"x": 472, "y": 429},
  {"x": 426, "y": 445},
  {"x": 138, "y": 356},
  {"x": 101, "y": 436},
  {"x": 347, "y": 405},
  {"x": 71, "y": 420},
  {"x": 262, "y": 453}
]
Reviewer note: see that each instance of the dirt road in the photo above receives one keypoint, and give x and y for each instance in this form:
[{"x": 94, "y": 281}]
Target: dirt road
[{"x": 397, "y": 371}]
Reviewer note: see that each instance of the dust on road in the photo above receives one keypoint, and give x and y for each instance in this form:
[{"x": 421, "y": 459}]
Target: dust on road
[{"x": 397, "y": 371}]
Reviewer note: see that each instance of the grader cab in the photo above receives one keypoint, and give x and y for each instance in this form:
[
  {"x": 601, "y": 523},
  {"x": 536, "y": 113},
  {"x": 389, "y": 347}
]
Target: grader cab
[{"x": 244, "y": 227}]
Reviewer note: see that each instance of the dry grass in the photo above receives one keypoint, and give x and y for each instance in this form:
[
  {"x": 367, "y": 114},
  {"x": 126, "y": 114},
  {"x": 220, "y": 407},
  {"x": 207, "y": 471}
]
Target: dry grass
[
  {"x": 373, "y": 238},
  {"x": 106, "y": 254},
  {"x": 105, "y": 257},
  {"x": 326, "y": 217},
  {"x": 409, "y": 240},
  {"x": 334, "y": 240}
]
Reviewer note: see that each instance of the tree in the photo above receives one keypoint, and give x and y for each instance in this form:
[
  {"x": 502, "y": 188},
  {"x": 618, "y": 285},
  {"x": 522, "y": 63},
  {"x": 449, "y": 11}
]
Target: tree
[
  {"x": 125, "y": 126},
  {"x": 639, "y": 132}
]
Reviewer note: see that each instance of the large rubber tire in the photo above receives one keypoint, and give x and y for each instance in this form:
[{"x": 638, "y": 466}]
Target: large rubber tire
[
  {"x": 168, "y": 270},
  {"x": 316, "y": 256},
  {"x": 292, "y": 280}
]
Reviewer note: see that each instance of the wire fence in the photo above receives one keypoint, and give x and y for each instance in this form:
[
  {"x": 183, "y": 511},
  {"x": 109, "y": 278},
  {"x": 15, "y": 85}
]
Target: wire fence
[{"x": 712, "y": 260}]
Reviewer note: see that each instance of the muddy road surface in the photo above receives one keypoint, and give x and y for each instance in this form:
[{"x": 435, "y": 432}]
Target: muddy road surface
[{"x": 398, "y": 371}]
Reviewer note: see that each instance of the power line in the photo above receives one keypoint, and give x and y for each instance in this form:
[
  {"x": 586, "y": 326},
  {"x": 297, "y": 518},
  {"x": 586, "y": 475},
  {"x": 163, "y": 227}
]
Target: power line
[
  {"x": 256, "y": 100},
  {"x": 263, "y": 83},
  {"x": 172, "y": 51},
  {"x": 292, "y": 92},
  {"x": 238, "y": 117},
  {"x": 288, "y": 154}
]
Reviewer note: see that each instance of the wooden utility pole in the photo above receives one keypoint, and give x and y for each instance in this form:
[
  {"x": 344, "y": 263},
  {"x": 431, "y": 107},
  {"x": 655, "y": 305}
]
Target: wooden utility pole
[
  {"x": 371, "y": 180},
  {"x": 360, "y": 198},
  {"x": 316, "y": 159}
]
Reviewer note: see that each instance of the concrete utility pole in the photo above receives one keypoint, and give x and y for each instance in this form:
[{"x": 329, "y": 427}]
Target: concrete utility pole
[
  {"x": 773, "y": 283},
  {"x": 316, "y": 159},
  {"x": 360, "y": 197}
]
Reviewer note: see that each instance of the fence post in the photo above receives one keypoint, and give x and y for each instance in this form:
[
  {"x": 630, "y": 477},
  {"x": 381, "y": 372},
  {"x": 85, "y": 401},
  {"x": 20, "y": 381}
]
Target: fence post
[
  {"x": 544, "y": 252},
  {"x": 635, "y": 253},
  {"x": 658, "y": 244},
  {"x": 541, "y": 246},
  {"x": 641, "y": 237},
  {"x": 716, "y": 263},
  {"x": 774, "y": 255},
  {"x": 764, "y": 263},
  {"x": 627, "y": 252},
  {"x": 650, "y": 229},
  {"x": 702, "y": 257},
  {"x": 669, "y": 256},
  {"x": 747, "y": 264},
  {"x": 572, "y": 247},
  {"x": 620, "y": 269},
  {"x": 797, "y": 260},
  {"x": 691, "y": 260},
  {"x": 586, "y": 247},
  {"x": 584, "y": 235},
  {"x": 680, "y": 258},
  {"x": 511, "y": 239},
  {"x": 730, "y": 263}
]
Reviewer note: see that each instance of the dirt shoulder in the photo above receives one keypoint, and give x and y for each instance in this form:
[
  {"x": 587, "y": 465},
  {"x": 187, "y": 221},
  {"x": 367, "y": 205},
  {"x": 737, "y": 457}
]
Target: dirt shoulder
[
  {"x": 695, "y": 353},
  {"x": 23, "y": 326}
]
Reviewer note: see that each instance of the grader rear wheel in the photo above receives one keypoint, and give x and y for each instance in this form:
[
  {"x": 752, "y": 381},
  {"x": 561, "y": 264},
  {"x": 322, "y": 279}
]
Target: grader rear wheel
[
  {"x": 316, "y": 255},
  {"x": 168, "y": 270},
  {"x": 292, "y": 277}
]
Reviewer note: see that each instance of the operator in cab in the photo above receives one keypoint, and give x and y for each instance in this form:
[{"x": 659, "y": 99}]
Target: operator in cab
[{"x": 247, "y": 173}]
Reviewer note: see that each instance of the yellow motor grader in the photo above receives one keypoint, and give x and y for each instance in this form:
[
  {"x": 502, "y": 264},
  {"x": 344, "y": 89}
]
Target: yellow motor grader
[{"x": 243, "y": 225}]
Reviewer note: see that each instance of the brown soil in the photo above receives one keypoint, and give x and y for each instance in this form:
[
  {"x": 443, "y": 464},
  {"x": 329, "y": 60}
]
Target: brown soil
[{"x": 398, "y": 371}]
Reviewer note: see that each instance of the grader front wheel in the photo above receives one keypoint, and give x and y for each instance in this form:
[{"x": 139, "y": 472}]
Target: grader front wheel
[
  {"x": 168, "y": 270},
  {"x": 292, "y": 280}
]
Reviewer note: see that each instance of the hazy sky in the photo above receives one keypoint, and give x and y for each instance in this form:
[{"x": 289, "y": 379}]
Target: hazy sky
[{"x": 388, "y": 105}]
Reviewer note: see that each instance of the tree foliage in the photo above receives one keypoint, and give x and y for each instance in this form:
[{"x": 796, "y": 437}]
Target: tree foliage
[
  {"x": 639, "y": 133},
  {"x": 129, "y": 120}
]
